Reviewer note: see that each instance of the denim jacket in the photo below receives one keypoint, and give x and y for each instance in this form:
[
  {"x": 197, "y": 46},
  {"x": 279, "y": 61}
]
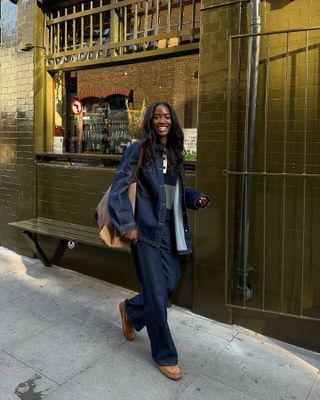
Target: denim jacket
[{"x": 150, "y": 211}]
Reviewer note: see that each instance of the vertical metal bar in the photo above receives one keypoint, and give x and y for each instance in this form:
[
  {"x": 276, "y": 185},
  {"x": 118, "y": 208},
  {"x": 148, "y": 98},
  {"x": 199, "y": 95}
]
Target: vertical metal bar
[
  {"x": 145, "y": 34},
  {"x": 242, "y": 259},
  {"x": 168, "y": 22},
  {"x": 246, "y": 237},
  {"x": 48, "y": 42},
  {"x": 251, "y": 105},
  {"x": 119, "y": 27},
  {"x": 58, "y": 34},
  {"x": 125, "y": 23},
  {"x": 91, "y": 26},
  {"x": 284, "y": 189},
  {"x": 100, "y": 25},
  {"x": 193, "y": 19},
  {"x": 265, "y": 148},
  {"x": 157, "y": 17},
  {"x": 169, "y": 16},
  {"x": 47, "y": 37},
  {"x": 82, "y": 26},
  {"x": 244, "y": 200},
  {"x": 180, "y": 16},
  {"x": 226, "y": 281},
  {"x": 51, "y": 36},
  {"x": 304, "y": 167},
  {"x": 65, "y": 31},
  {"x": 135, "y": 24},
  {"x": 74, "y": 30}
]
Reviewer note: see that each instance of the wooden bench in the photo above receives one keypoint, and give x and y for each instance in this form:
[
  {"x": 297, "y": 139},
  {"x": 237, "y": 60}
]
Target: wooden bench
[{"x": 68, "y": 234}]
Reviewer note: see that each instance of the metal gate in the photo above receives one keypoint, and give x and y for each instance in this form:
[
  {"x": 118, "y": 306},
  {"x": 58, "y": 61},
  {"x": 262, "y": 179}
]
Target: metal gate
[{"x": 272, "y": 210}]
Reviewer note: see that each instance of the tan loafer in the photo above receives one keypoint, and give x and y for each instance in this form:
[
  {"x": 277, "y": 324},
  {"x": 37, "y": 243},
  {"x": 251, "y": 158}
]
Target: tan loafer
[
  {"x": 173, "y": 372},
  {"x": 127, "y": 328}
]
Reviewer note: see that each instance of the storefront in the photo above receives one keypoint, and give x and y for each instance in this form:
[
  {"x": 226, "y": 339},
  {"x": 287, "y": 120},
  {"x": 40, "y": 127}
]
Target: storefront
[
  {"x": 104, "y": 63},
  {"x": 77, "y": 84}
]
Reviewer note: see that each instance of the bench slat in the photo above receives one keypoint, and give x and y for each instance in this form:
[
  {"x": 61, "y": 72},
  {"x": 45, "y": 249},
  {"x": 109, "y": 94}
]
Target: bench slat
[
  {"x": 61, "y": 230},
  {"x": 67, "y": 225},
  {"x": 75, "y": 232}
]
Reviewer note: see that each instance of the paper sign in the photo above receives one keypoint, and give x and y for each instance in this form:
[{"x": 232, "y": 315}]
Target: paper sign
[
  {"x": 58, "y": 144},
  {"x": 190, "y": 142}
]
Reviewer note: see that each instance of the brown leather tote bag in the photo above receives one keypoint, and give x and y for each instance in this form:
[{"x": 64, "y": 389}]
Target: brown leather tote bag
[{"x": 108, "y": 232}]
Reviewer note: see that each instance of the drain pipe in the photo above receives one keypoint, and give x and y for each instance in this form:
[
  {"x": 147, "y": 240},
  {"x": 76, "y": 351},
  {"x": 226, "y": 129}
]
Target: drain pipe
[{"x": 244, "y": 289}]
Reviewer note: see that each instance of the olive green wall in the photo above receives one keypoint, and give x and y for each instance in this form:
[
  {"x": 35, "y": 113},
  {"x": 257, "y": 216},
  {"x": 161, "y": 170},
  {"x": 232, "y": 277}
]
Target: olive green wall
[
  {"x": 287, "y": 283},
  {"x": 216, "y": 26},
  {"x": 16, "y": 119},
  {"x": 71, "y": 193}
]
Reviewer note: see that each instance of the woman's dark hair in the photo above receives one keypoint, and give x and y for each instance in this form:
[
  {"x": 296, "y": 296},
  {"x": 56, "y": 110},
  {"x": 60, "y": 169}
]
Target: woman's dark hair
[{"x": 151, "y": 141}]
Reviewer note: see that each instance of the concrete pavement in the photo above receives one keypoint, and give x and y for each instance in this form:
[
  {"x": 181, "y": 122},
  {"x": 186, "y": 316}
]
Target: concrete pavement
[{"x": 60, "y": 339}]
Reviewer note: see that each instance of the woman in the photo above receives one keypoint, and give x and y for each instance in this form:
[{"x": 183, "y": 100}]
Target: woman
[{"x": 158, "y": 230}]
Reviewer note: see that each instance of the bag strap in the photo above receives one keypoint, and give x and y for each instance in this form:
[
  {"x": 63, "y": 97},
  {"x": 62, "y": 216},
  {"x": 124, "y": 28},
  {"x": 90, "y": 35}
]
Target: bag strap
[{"x": 136, "y": 171}]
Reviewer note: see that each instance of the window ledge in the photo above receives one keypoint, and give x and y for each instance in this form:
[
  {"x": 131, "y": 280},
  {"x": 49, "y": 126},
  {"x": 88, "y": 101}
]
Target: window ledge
[{"x": 95, "y": 160}]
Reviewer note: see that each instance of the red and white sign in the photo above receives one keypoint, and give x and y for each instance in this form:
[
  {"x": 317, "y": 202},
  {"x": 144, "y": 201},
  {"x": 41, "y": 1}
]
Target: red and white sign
[{"x": 76, "y": 107}]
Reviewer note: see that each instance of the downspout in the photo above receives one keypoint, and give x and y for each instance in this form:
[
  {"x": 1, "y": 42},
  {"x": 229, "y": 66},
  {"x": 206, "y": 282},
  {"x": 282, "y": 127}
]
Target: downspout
[{"x": 243, "y": 287}]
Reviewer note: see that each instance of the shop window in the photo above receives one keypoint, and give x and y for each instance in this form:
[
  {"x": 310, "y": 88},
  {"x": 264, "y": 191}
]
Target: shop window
[
  {"x": 99, "y": 111},
  {"x": 99, "y": 125}
]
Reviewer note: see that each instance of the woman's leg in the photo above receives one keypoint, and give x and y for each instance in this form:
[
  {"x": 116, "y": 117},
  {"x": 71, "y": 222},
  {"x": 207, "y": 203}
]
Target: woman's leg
[{"x": 158, "y": 270}]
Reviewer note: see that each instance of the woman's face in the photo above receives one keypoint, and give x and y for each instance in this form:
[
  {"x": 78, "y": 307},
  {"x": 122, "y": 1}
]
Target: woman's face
[{"x": 162, "y": 122}]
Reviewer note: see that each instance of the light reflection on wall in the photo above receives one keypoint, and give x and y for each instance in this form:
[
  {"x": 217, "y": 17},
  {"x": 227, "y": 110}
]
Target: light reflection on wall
[{"x": 7, "y": 154}]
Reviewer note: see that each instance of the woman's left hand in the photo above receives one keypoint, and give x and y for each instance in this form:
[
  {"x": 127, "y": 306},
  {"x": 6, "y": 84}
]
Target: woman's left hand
[{"x": 202, "y": 202}]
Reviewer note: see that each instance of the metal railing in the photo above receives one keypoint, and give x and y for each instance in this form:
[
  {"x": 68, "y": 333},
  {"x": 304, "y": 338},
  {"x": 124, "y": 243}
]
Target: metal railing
[
  {"x": 102, "y": 30},
  {"x": 283, "y": 237}
]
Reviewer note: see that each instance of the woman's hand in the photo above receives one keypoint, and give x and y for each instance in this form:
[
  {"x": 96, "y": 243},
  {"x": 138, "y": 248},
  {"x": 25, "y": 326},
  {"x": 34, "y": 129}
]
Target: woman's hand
[
  {"x": 202, "y": 202},
  {"x": 132, "y": 235}
]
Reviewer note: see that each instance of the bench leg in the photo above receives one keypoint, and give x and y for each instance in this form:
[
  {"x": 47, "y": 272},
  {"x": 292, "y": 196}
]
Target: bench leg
[
  {"x": 31, "y": 239},
  {"x": 58, "y": 254}
]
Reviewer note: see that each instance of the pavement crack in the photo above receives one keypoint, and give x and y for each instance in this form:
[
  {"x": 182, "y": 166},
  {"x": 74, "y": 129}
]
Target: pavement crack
[{"x": 314, "y": 381}]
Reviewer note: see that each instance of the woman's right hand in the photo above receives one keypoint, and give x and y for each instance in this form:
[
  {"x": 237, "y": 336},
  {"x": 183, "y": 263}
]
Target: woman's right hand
[{"x": 132, "y": 235}]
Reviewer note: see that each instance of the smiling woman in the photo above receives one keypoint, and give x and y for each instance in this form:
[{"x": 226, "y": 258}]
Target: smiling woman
[
  {"x": 158, "y": 230},
  {"x": 161, "y": 121}
]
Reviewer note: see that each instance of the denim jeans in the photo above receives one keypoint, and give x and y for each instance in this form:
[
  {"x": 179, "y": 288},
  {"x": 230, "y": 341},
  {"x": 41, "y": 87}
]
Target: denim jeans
[{"x": 158, "y": 270}]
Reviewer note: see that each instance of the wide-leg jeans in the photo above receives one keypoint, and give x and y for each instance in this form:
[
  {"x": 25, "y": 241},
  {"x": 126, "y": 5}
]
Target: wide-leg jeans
[{"x": 158, "y": 270}]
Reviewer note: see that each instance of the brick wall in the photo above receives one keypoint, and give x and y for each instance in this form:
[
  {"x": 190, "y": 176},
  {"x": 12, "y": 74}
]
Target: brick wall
[
  {"x": 16, "y": 121},
  {"x": 173, "y": 79}
]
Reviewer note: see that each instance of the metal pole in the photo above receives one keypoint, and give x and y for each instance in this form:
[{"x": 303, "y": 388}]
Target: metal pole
[{"x": 244, "y": 289}]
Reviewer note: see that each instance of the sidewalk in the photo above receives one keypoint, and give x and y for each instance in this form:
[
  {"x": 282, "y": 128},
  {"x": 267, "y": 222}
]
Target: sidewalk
[{"x": 60, "y": 339}]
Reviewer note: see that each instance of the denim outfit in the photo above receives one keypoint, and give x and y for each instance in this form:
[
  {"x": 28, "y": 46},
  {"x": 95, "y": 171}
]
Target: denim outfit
[
  {"x": 158, "y": 270},
  {"x": 156, "y": 253}
]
